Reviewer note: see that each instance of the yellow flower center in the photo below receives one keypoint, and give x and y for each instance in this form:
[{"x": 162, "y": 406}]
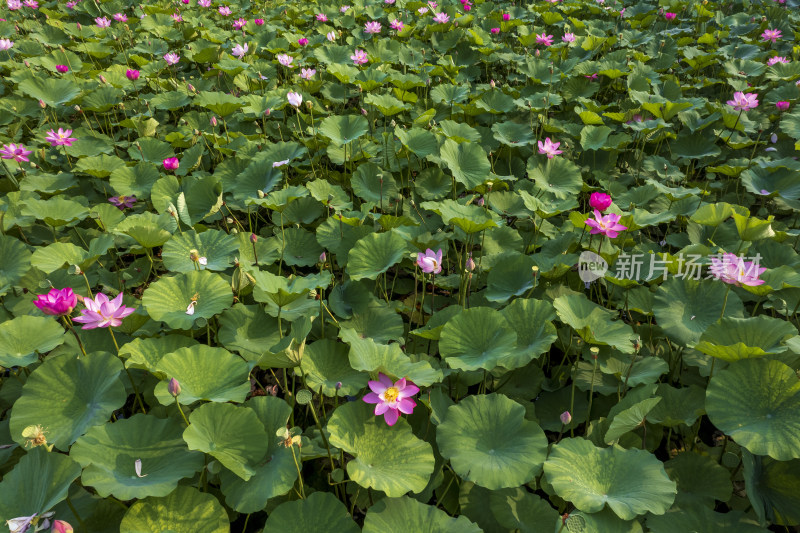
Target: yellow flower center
[{"x": 391, "y": 394}]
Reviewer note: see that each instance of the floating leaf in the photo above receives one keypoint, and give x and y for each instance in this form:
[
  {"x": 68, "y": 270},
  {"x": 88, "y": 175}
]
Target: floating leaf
[
  {"x": 23, "y": 337},
  {"x": 319, "y": 513},
  {"x": 168, "y": 299},
  {"x": 374, "y": 254},
  {"x": 205, "y": 373},
  {"x": 185, "y": 510},
  {"x": 476, "y": 338},
  {"x": 400, "y": 515}
]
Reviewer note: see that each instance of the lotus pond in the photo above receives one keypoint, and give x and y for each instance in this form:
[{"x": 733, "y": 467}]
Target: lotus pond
[{"x": 397, "y": 266}]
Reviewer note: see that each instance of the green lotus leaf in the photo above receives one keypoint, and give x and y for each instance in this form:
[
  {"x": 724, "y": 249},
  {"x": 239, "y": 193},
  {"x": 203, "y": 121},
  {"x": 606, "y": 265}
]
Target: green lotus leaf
[
  {"x": 136, "y": 181},
  {"x": 276, "y": 474},
  {"x": 52, "y": 91},
  {"x": 678, "y": 406},
  {"x": 15, "y": 261},
  {"x": 511, "y": 276},
  {"x": 205, "y": 373},
  {"x": 477, "y": 338},
  {"x": 629, "y": 419},
  {"x": 531, "y": 319},
  {"x": 372, "y": 184},
  {"x": 23, "y": 337},
  {"x": 320, "y": 512},
  {"x": 170, "y": 100},
  {"x": 712, "y": 214},
  {"x": 753, "y": 229},
  {"x": 399, "y": 515},
  {"x": 695, "y": 146},
  {"x": 435, "y": 324},
  {"x": 388, "y": 105},
  {"x": 374, "y": 254},
  {"x": 386, "y": 458},
  {"x": 470, "y": 218},
  {"x": 697, "y": 518},
  {"x": 168, "y": 299},
  {"x": 340, "y": 238},
  {"x": 342, "y": 130},
  {"x": 233, "y": 435},
  {"x": 418, "y": 141},
  {"x": 201, "y": 198},
  {"x": 148, "y": 229},
  {"x": 248, "y": 330},
  {"x": 631, "y": 482},
  {"x": 772, "y": 488},
  {"x": 732, "y": 339},
  {"x": 550, "y": 405},
  {"x": 90, "y": 390},
  {"x": 449, "y": 94},
  {"x": 97, "y": 514},
  {"x": 763, "y": 181},
  {"x": 54, "y": 256},
  {"x": 283, "y": 290},
  {"x": 459, "y": 131},
  {"x": 219, "y": 102},
  {"x": 594, "y": 323},
  {"x": 467, "y": 162},
  {"x": 559, "y": 176},
  {"x": 489, "y": 442},
  {"x": 327, "y": 369},
  {"x": 376, "y": 321},
  {"x": 518, "y": 509},
  {"x": 299, "y": 247},
  {"x": 700, "y": 479},
  {"x": 146, "y": 353},
  {"x": 185, "y": 510},
  {"x": 513, "y": 133},
  {"x": 108, "y": 455},
  {"x": 38, "y": 482},
  {"x": 757, "y": 403},
  {"x": 594, "y": 137},
  {"x": 217, "y": 247}
]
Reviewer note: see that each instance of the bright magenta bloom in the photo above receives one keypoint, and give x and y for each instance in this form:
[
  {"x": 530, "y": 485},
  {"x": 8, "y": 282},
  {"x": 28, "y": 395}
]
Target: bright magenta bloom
[
  {"x": 359, "y": 57},
  {"x": 372, "y": 27},
  {"x": 506, "y": 16},
  {"x": 546, "y": 40},
  {"x": 63, "y": 69},
  {"x": 302, "y": 41},
  {"x": 734, "y": 270},
  {"x": 57, "y": 302},
  {"x": 171, "y": 163},
  {"x": 600, "y": 201},
  {"x": 171, "y": 58},
  {"x": 607, "y": 225},
  {"x": 783, "y": 105},
  {"x": 17, "y": 152},
  {"x": 743, "y": 102},
  {"x": 550, "y": 148},
  {"x": 102, "y": 312},
  {"x": 102, "y": 22},
  {"x": 430, "y": 262},
  {"x": 60, "y": 137},
  {"x": 259, "y": 22},
  {"x": 391, "y": 398},
  {"x": 495, "y": 31},
  {"x": 132, "y": 74},
  {"x": 771, "y": 35},
  {"x": 670, "y": 16},
  {"x": 123, "y": 201}
]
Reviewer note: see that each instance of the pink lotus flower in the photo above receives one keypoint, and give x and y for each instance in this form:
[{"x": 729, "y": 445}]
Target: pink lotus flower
[
  {"x": 33, "y": 4},
  {"x": 565, "y": 418},
  {"x": 177, "y": 17},
  {"x": 224, "y": 11},
  {"x": 321, "y": 17},
  {"x": 506, "y": 16},
  {"x": 13, "y": 5},
  {"x": 607, "y": 225},
  {"x": 372, "y": 27},
  {"x": 239, "y": 23},
  {"x": 391, "y": 398},
  {"x": 422, "y": 10},
  {"x": 171, "y": 58},
  {"x": 734, "y": 270},
  {"x": 259, "y": 22},
  {"x": 102, "y": 312},
  {"x": 743, "y": 102},
  {"x": 331, "y": 36},
  {"x": 397, "y": 25},
  {"x": 59, "y": 526},
  {"x": 359, "y": 57},
  {"x": 441, "y": 18},
  {"x": 60, "y": 137},
  {"x": 17, "y": 152},
  {"x": 122, "y": 201},
  {"x": 171, "y": 163},
  {"x": 307, "y": 73},
  {"x": 546, "y": 40},
  {"x": 102, "y": 22},
  {"x": 239, "y": 50},
  {"x": 670, "y": 16},
  {"x": 592, "y": 77},
  {"x": 204, "y": 3},
  {"x": 132, "y": 74},
  {"x": 777, "y": 59},
  {"x": 467, "y": 7},
  {"x": 71, "y": 4},
  {"x": 295, "y": 99},
  {"x": 6, "y": 44},
  {"x": 344, "y": 9},
  {"x": 279, "y": 164},
  {"x": 430, "y": 262},
  {"x": 302, "y": 41},
  {"x": 600, "y": 201},
  {"x": 568, "y": 38},
  {"x": 63, "y": 69},
  {"x": 783, "y": 105},
  {"x": 771, "y": 35},
  {"x": 495, "y": 31},
  {"x": 57, "y": 302},
  {"x": 390, "y": 2},
  {"x": 550, "y": 148},
  {"x": 285, "y": 60},
  {"x": 120, "y": 17}
]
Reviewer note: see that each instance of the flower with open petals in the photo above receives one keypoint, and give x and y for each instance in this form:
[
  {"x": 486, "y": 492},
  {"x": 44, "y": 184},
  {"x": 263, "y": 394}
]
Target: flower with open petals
[
  {"x": 549, "y": 147},
  {"x": 120, "y": 17},
  {"x": 239, "y": 50},
  {"x": 441, "y": 18},
  {"x": 102, "y": 312},
  {"x": 20, "y": 524},
  {"x": 295, "y": 98},
  {"x": 285, "y": 60},
  {"x": 102, "y": 22},
  {"x": 372, "y": 27},
  {"x": 302, "y": 41},
  {"x": 777, "y": 59},
  {"x": 391, "y": 398},
  {"x": 743, "y": 102},
  {"x": 17, "y": 152},
  {"x": 307, "y": 73},
  {"x": 591, "y": 77},
  {"x": 171, "y": 163},
  {"x": 57, "y": 302},
  {"x": 344, "y": 9},
  {"x": 397, "y": 25},
  {"x": 600, "y": 201},
  {"x": 568, "y": 38},
  {"x": 33, "y": 4},
  {"x": 430, "y": 262},
  {"x": 607, "y": 225},
  {"x": 123, "y": 201},
  {"x": 546, "y": 40},
  {"x": 60, "y": 137},
  {"x": 734, "y": 270},
  {"x": 331, "y": 36},
  {"x": 771, "y": 35},
  {"x": 13, "y": 5},
  {"x": 171, "y": 58},
  {"x": 177, "y": 17},
  {"x": 204, "y": 3},
  {"x": 279, "y": 164},
  {"x": 224, "y": 11},
  {"x": 422, "y": 10},
  {"x": 321, "y": 17},
  {"x": 132, "y": 74},
  {"x": 239, "y": 23},
  {"x": 783, "y": 105},
  {"x": 6, "y": 44},
  {"x": 359, "y": 57}
]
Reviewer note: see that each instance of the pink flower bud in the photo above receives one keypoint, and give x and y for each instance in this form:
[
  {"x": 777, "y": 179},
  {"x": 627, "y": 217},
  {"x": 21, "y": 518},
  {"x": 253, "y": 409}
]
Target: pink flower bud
[
  {"x": 322, "y": 257},
  {"x": 506, "y": 16},
  {"x": 259, "y": 22},
  {"x": 132, "y": 74},
  {"x": 174, "y": 388},
  {"x": 171, "y": 163},
  {"x": 63, "y": 69},
  {"x": 59, "y": 526},
  {"x": 566, "y": 418},
  {"x": 782, "y": 105},
  {"x": 600, "y": 201},
  {"x": 213, "y": 121},
  {"x": 253, "y": 238}
]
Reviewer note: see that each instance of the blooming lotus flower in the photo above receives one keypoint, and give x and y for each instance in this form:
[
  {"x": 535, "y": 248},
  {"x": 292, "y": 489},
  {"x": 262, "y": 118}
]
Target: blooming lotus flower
[
  {"x": 33, "y": 4},
  {"x": 302, "y": 41},
  {"x": 495, "y": 31},
  {"x": 546, "y": 40},
  {"x": 102, "y": 22},
  {"x": 607, "y": 225},
  {"x": 430, "y": 262},
  {"x": 123, "y": 201},
  {"x": 239, "y": 23},
  {"x": 743, "y": 102},
  {"x": 224, "y": 11},
  {"x": 777, "y": 59},
  {"x": 433, "y": 5},
  {"x": 59, "y": 526},
  {"x": 771, "y": 35},
  {"x": 568, "y": 38},
  {"x": 132, "y": 74},
  {"x": 177, "y": 17},
  {"x": 322, "y": 17},
  {"x": 783, "y": 105},
  {"x": 285, "y": 60},
  {"x": 441, "y": 18},
  {"x": 734, "y": 270},
  {"x": 295, "y": 99},
  {"x": 239, "y": 50},
  {"x": 259, "y": 22},
  {"x": 390, "y": 2},
  {"x": 171, "y": 58},
  {"x": 60, "y": 137},
  {"x": 372, "y": 27},
  {"x": 422, "y": 10},
  {"x": 23, "y": 523},
  {"x": 359, "y": 57},
  {"x": 506, "y": 16},
  {"x": 670, "y": 16},
  {"x": 171, "y": 163},
  {"x": 102, "y": 312},
  {"x": 343, "y": 9},
  {"x": 6, "y": 44},
  {"x": 13, "y": 5},
  {"x": 120, "y": 17},
  {"x": 307, "y": 73},
  {"x": 549, "y": 147},
  {"x": 57, "y": 302},
  {"x": 600, "y": 201},
  {"x": 17, "y": 152},
  {"x": 391, "y": 398},
  {"x": 331, "y": 36},
  {"x": 204, "y": 3},
  {"x": 397, "y": 25}
]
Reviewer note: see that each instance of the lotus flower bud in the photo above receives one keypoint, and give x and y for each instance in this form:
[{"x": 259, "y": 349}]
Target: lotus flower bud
[
  {"x": 103, "y": 79},
  {"x": 213, "y": 122},
  {"x": 261, "y": 194},
  {"x": 59, "y": 526},
  {"x": 42, "y": 104},
  {"x": 174, "y": 388},
  {"x": 470, "y": 263},
  {"x": 566, "y": 418},
  {"x": 253, "y": 238}
]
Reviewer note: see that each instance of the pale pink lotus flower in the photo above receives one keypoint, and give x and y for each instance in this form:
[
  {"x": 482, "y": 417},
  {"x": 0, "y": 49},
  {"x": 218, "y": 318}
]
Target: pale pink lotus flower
[
  {"x": 17, "y": 152},
  {"x": 422, "y": 10},
  {"x": 777, "y": 59},
  {"x": 397, "y": 25},
  {"x": 600, "y": 201},
  {"x": 743, "y": 102},
  {"x": 734, "y": 270},
  {"x": 359, "y": 57},
  {"x": 343, "y": 9},
  {"x": 204, "y": 3},
  {"x": 123, "y": 201},
  {"x": 495, "y": 31},
  {"x": 13, "y": 5},
  {"x": 565, "y": 418},
  {"x": 546, "y": 40},
  {"x": 783, "y": 105},
  {"x": 295, "y": 99},
  {"x": 307, "y": 73},
  {"x": 120, "y": 17},
  {"x": 239, "y": 50},
  {"x": 390, "y": 2},
  {"x": 102, "y": 22},
  {"x": 171, "y": 58},
  {"x": 549, "y": 147},
  {"x": 285, "y": 60},
  {"x": 101, "y": 312},
  {"x": 321, "y": 17},
  {"x": 71, "y": 4},
  {"x": 441, "y": 18},
  {"x": 60, "y": 137},
  {"x": 568, "y": 38},
  {"x": 331, "y": 36},
  {"x": 239, "y": 23},
  {"x": 433, "y": 5},
  {"x": 771, "y": 35},
  {"x": 6, "y": 44},
  {"x": 32, "y": 4},
  {"x": 391, "y": 398},
  {"x": 372, "y": 27},
  {"x": 607, "y": 225},
  {"x": 430, "y": 262},
  {"x": 224, "y": 11},
  {"x": 177, "y": 17}
]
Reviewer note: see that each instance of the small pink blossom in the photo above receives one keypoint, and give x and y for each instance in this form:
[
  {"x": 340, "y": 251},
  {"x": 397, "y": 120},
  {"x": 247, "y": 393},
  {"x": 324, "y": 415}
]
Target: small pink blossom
[
  {"x": 331, "y": 36},
  {"x": 32, "y": 4},
  {"x": 600, "y": 201},
  {"x": 239, "y": 23},
  {"x": 397, "y": 25},
  {"x": 777, "y": 59},
  {"x": 506, "y": 16},
  {"x": 430, "y": 262},
  {"x": 132, "y": 74},
  {"x": 743, "y": 102},
  {"x": 344, "y": 9},
  {"x": 171, "y": 58},
  {"x": 670, "y": 16},
  {"x": 565, "y": 418},
  {"x": 568, "y": 38},
  {"x": 441, "y": 18},
  {"x": 71, "y": 4},
  {"x": 422, "y": 10},
  {"x": 171, "y": 163},
  {"x": 372, "y": 27},
  {"x": 302, "y": 41},
  {"x": 59, "y": 526},
  {"x": 285, "y": 60},
  {"x": 771, "y": 35},
  {"x": 321, "y": 17},
  {"x": 592, "y": 77},
  {"x": 101, "y": 312},
  {"x": 17, "y": 152},
  {"x": 60, "y": 137},
  {"x": 204, "y": 3},
  {"x": 239, "y": 50},
  {"x": 259, "y": 22},
  {"x": 546, "y": 40},
  {"x": 359, "y": 57},
  {"x": 57, "y": 302},
  {"x": 307, "y": 73},
  {"x": 783, "y": 105},
  {"x": 63, "y": 69},
  {"x": 495, "y": 31},
  {"x": 13, "y": 5},
  {"x": 549, "y": 147},
  {"x": 120, "y": 17},
  {"x": 607, "y": 225},
  {"x": 177, "y": 17},
  {"x": 102, "y": 22},
  {"x": 391, "y": 398},
  {"x": 224, "y": 11},
  {"x": 734, "y": 270},
  {"x": 6, "y": 44}
]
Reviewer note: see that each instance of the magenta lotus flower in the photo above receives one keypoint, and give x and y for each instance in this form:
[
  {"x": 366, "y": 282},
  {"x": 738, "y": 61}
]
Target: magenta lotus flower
[
  {"x": 285, "y": 60},
  {"x": 239, "y": 23},
  {"x": 430, "y": 262},
  {"x": 63, "y": 69},
  {"x": 506, "y": 16},
  {"x": 397, "y": 25},
  {"x": 132, "y": 74},
  {"x": 549, "y": 147},
  {"x": 302, "y": 41},
  {"x": 171, "y": 58},
  {"x": 259, "y": 22},
  {"x": 783, "y": 105},
  {"x": 17, "y": 152},
  {"x": 495, "y": 31},
  {"x": 171, "y": 163},
  {"x": 102, "y": 312},
  {"x": 321, "y": 17},
  {"x": 307, "y": 73},
  {"x": 592, "y": 77},
  {"x": 123, "y": 201},
  {"x": 607, "y": 225},
  {"x": 391, "y": 398},
  {"x": 60, "y": 137},
  {"x": 771, "y": 35},
  {"x": 546, "y": 40},
  {"x": 294, "y": 98},
  {"x": 568, "y": 38},
  {"x": 224, "y": 11},
  {"x": 372, "y": 27},
  {"x": 239, "y": 50},
  {"x": 120, "y": 17},
  {"x": 777, "y": 59},
  {"x": 102, "y": 22},
  {"x": 670, "y": 16},
  {"x": 359, "y": 57},
  {"x": 6, "y": 44},
  {"x": 600, "y": 201},
  {"x": 734, "y": 270},
  {"x": 57, "y": 302},
  {"x": 743, "y": 102},
  {"x": 441, "y": 18}
]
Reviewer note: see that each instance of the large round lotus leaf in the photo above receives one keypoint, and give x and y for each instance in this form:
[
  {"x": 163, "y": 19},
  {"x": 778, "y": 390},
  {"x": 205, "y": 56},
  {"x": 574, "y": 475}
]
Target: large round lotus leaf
[
  {"x": 550, "y": 405},
  {"x": 470, "y": 218},
  {"x": 325, "y": 364},
  {"x": 376, "y": 321},
  {"x": 531, "y": 319},
  {"x": 374, "y": 254},
  {"x": 700, "y": 479},
  {"x": 401, "y": 515},
  {"x": 372, "y": 184},
  {"x": 757, "y": 403},
  {"x": 467, "y": 162},
  {"x": 39, "y": 481},
  {"x": 512, "y": 133},
  {"x": 146, "y": 353},
  {"x": 594, "y": 323},
  {"x": 559, "y": 177},
  {"x": 300, "y": 248},
  {"x": 145, "y": 228},
  {"x": 167, "y": 299},
  {"x": 765, "y": 181},
  {"x": 518, "y": 509},
  {"x": 185, "y": 510},
  {"x": 631, "y": 482},
  {"x": 629, "y": 419},
  {"x": 418, "y": 141},
  {"x": 605, "y": 521},
  {"x": 217, "y": 247},
  {"x": 275, "y": 474},
  {"x": 340, "y": 238},
  {"x": 343, "y": 129},
  {"x": 773, "y": 488},
  {"x": 732, "y": 339},
  {"x": 108, "y": 454},
  {"x": 15, "y": 261},
  {"x": 247, "y": 329},
  {"x": 98, "y": 515},
  {"x": 22, "y": 338},
  {"x": 57, "y": 255},
  {"x": 678, "y": 406},
  {"x": 52, "y": 91},
  {"x": 387, "y": 458},
  {"x": 320, "y": 512},
  {"x": 88, "y": 391},
  {"x": 489, "y": 442},
  {"x": 232, "y": 435},
  {"x": 477, "y": 338},
  {"x": 698, "y": 518},
  {"x": 205, "y": 373},
  {"x": 136, "y": 180},
  {"x": 511, "y": 276}
]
